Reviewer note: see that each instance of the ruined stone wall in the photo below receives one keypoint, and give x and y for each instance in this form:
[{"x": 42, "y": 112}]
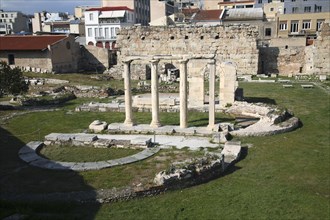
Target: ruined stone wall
[
  {"x": 317, "y": 55},
  {"x": 235, "y": 43},
  {"x": 94, "y": 59},
  {"x": 283, "y": 60},
  {"x": 292, "y": 56}
]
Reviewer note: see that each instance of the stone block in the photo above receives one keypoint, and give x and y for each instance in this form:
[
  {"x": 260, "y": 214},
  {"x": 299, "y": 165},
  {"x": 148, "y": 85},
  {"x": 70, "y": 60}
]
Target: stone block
[{"x": 98, "y": 126}]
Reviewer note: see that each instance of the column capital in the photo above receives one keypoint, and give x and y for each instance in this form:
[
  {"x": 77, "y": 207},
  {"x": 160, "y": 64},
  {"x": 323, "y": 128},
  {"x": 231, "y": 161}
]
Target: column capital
[
  {"x": 154, "y": 61},
  {"x": 127, "y": 62}
]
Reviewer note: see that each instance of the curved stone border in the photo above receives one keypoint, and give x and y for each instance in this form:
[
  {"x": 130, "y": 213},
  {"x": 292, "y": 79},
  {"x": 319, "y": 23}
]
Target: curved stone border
[
  {"x": 265, "y": 128},
  {"x": 28, "y": 153}
]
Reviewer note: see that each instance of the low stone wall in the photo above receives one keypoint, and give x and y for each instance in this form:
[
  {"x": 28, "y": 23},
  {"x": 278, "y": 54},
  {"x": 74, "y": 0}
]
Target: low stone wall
[
  {"x": 93, "y": 141},
  {"x": 271, "y": 119}
]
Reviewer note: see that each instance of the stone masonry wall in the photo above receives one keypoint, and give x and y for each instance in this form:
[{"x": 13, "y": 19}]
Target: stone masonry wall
[
  {"x": 317, "y": 55},
  {"x": 282, "y": 60},
  {"x": 235, "y": 43}
]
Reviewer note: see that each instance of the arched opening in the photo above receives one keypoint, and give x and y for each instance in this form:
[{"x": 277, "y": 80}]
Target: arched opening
[
  {"x": 107, "y": 45},
  {"x": 99, "y": 44},
  {"x": 90, "y": 43}
]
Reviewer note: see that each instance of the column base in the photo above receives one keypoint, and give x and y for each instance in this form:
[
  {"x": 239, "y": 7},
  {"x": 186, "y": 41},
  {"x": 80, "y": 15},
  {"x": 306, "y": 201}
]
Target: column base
[
  {"x": 155, "y": 124},
  {"x": 129, "y": 123},
  {"x": 184, "y": 126},
  {"x": 211, "y": 127}
]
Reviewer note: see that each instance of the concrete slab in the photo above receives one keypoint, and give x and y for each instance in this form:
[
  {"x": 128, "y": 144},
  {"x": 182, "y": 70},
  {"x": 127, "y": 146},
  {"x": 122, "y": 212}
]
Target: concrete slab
[
  {"x": 34, "y": 144},
  {"x": 52, "y": 137},
  {"x": 26, "y": 150},
  {"x": 85, "y": 137},
  {"x": 29, "y": 157},
  {"x": 140, "y": 141}
]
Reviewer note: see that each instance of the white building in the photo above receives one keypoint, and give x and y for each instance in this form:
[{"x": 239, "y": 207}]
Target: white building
[
  {"x": 12, "y": 22},
  {"x": 102, "y": 24}
]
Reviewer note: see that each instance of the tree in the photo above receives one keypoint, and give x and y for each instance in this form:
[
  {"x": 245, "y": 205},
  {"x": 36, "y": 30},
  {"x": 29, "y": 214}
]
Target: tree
[{"x": 11, "y": 80}]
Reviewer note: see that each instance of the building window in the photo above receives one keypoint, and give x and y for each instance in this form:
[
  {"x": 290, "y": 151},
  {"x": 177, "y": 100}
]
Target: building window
[
  {"x": 268, "y": 32},
  {"x": 282, "y": 0},
  {"x": 293, "y": 0},
  {"x": 259, "y": 1},
  {"x": 106, "y": 33},
  {"x": 270, "y": 1},
  {"x": 11, "y": 59},
  {"x": 271, "y": 9},
  {"x": 295, "y": 10},
  {"x": 318, "y": 8},
  {"x": 100, "y": 32},
  {"x": 306, "y": 24},
  {"x": 319, "y": 24},
  {"x": 112, "y": 32},
  {"x": 96, "y": 32},
  {"x": 89, "y": 32},
  {"x": 91, "y": 17},
  {"x": 283, "y": 26},
  {"x": 308, "y": 9},
  {"x": 294, "y": 26}
]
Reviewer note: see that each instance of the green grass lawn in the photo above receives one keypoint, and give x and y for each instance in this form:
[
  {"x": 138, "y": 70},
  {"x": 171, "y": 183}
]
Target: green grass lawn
[
  {"x": 68, "y": 153},
  {"x": 282, "y": 177}
]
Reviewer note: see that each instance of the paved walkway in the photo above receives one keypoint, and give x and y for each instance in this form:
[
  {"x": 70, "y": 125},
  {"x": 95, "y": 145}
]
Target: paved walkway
[
  {"x": 29, "y": 155},
  {"x": 167, "y": 141}
]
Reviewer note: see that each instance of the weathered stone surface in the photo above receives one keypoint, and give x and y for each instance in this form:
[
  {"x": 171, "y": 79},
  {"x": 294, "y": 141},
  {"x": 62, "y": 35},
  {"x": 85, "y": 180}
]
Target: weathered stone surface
[
  {"x": 236, "y": 43},
  {"x": 98, "y": 126},
  {"x": 231, "y": 151}
]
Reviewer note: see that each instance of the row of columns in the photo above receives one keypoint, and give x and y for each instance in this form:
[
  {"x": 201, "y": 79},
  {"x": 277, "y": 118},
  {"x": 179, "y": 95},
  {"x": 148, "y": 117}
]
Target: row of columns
[{"x": 155, "y": 122}]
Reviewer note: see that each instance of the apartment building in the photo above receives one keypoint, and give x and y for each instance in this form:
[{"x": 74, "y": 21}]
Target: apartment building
[
  {"x": 161, "y": 9},
  {"x": 12, "y": 22},
  {"x": 299, "y": 6},
  {"x": 290, "y": 25},
  {"x": 141, "y": 8},
  {"x": 222, "y": 4},
  {"x": 102, "y": 24}
]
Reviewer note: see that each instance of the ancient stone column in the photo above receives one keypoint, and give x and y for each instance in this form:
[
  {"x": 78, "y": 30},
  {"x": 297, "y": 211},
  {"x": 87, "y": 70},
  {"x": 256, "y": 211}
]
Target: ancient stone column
[
  {"x": 154, "y": 94},
  {"x": 211, "y": 65},
  {"x": 183, "y": 94},
  {"x": 128, "y": 94}
]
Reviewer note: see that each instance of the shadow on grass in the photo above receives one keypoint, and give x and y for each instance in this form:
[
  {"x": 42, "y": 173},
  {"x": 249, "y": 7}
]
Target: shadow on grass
[
  {"x": 36, "y": 192},
  {"x": 260, "y": 99}
]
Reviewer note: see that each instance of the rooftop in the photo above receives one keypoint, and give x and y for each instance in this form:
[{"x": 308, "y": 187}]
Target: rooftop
[
  {"x": 207, "y": 15},
  {"x": 243, "y": 14},
  {"x": 118, "y": 8},
  {"x": 29, "y": 42},
  {"x": 236, "y": 2}
]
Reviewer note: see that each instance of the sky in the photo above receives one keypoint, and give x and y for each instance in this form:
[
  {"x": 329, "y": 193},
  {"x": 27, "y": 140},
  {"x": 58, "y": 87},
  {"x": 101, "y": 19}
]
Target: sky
[{"x": 31, "y": 6}]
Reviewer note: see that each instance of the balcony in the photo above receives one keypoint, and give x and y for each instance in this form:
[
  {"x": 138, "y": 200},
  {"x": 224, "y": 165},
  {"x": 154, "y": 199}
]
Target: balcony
[{"x": 102, "y": 38}]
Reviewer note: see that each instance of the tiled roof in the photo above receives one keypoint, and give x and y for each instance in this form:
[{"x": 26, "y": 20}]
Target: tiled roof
[
  {"x": 29, "y": 42},
  {"x": 118, "y": 8},
  {"x": 208, "y": 15}
]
